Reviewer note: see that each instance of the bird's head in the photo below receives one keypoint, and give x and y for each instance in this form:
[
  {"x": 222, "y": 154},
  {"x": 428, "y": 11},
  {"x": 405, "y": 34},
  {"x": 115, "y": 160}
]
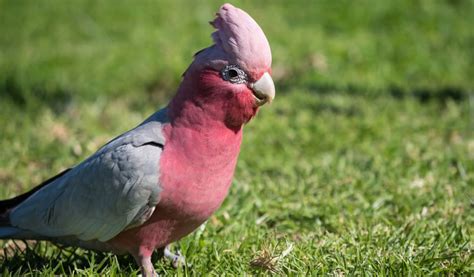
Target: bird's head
[{"x": 230, "y": 80}]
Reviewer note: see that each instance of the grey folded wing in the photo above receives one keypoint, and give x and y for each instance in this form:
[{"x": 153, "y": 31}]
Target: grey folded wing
[{"x": 114, "y": 189}]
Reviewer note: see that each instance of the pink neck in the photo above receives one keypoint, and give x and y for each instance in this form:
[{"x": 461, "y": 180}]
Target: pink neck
[
  {"x": 198, "y": 128},
  {"x": 198, "y": 161}
]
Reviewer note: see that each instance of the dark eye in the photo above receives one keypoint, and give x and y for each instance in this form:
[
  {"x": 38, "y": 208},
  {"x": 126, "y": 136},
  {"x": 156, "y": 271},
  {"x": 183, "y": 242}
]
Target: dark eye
[{"x": 234, "y": 74}]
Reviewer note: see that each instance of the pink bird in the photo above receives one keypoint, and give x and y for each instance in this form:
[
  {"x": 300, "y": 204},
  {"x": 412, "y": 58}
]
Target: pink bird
[{"x": 161, "y": 180}]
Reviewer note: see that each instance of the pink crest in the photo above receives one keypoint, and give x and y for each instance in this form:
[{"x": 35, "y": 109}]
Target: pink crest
[{"x": 241, "y": 38}]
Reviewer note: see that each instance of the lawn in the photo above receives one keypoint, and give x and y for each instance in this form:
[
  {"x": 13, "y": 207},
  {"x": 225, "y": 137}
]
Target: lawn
[{"x": 363, "y": 164}]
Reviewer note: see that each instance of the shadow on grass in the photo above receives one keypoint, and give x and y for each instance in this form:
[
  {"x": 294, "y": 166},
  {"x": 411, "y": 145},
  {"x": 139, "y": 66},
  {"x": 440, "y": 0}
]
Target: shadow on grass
[
  {"x": 442, "y": 94},
  {"x": 57, "y": 98},
  {"x": 65, "y": 260},
  {"x": 424, "y": 95}
]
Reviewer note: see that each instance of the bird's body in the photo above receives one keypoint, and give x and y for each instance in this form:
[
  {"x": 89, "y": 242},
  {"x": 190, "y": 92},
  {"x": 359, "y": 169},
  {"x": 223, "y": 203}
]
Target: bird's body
[
  {"x": 194, "y": 185},
  {"x": 158, "y": 182}
]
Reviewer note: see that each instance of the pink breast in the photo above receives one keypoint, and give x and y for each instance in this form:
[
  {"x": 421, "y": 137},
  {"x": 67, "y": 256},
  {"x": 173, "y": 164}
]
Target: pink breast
[
  {"x": 176, "y": 216},
  {"x": 192, "y": 190}
]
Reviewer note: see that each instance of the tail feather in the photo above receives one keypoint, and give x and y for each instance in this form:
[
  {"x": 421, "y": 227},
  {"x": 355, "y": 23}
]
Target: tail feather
[
  {"x": 16, "y": 233},
  {"x": 8, "y": 232},
  {"x": 8, "y": 204}
]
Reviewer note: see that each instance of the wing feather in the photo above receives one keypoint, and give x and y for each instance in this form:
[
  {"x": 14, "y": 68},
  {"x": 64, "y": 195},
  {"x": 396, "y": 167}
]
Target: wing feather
[{"x": 108, "y": 192}]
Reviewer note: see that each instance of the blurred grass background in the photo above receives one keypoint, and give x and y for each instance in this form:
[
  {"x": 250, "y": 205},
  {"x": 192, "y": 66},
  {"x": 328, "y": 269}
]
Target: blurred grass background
[{"x": 364, "y": 163}]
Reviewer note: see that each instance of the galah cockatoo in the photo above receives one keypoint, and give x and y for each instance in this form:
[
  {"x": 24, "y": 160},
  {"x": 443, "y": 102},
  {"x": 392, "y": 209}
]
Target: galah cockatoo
[{"x": 161, "y": 180}]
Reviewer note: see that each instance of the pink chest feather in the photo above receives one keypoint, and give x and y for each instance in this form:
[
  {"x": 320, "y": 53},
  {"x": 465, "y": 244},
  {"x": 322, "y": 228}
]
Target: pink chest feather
[{"x": 196, "y": 170}]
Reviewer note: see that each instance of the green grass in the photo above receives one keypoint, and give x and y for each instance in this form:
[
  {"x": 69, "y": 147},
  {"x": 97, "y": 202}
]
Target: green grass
[{"x": 362, "y": 165}]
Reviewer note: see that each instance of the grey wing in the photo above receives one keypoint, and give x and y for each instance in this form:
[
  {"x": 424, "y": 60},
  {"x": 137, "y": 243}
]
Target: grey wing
[{"x": 116, "y": 188}]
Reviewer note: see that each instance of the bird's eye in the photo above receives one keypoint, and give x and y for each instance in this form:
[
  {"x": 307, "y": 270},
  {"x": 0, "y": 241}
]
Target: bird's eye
[{"x": 234, "y": 74}]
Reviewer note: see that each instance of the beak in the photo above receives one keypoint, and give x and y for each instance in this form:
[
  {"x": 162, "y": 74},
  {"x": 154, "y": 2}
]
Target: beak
[{"x": 263, "y": 89}]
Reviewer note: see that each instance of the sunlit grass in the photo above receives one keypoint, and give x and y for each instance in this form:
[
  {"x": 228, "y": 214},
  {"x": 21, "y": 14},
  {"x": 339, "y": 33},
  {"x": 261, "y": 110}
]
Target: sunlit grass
[{"x": 362, "y": 165}]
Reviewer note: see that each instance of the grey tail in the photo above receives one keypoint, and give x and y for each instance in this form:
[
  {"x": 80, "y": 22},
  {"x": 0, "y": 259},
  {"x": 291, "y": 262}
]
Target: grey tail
[
  {"x": 8, "y": 204},
  {"x": 17, "y": 233},
  {"x": 9, "y": 232},
  {"x": 6, "y": 230}
]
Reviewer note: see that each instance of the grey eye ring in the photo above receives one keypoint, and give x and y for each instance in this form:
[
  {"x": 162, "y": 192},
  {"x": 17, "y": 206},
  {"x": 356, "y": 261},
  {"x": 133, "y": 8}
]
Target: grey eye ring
[{"x": 234, "y": 74}]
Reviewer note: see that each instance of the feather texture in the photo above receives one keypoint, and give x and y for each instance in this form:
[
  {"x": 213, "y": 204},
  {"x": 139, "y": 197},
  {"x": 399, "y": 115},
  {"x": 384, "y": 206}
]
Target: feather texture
[
  {"x": 115, "y": 188},
  {"x": 241, "y": 38}
]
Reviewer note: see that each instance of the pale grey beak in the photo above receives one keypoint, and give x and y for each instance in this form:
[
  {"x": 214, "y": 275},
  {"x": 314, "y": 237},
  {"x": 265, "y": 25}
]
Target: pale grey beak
[{"x": 263, "y": 89}]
